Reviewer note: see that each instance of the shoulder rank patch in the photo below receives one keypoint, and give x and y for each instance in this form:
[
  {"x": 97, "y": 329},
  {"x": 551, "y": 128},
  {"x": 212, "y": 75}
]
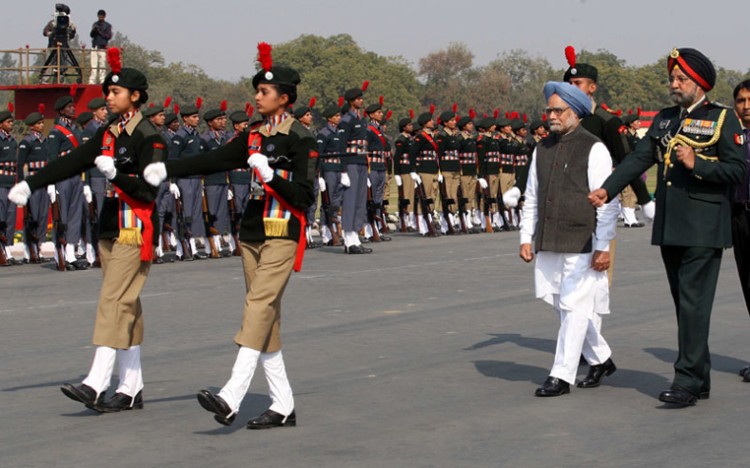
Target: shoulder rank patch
[{"x": 739, "y": 139}]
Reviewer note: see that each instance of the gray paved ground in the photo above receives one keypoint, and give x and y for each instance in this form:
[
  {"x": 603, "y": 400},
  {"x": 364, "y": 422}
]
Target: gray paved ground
[{"x": 426, "y": 353}]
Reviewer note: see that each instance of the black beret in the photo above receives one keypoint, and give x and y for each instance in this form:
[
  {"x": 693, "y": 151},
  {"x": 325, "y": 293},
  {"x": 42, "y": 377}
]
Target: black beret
[
  {"x": 212, "y": 114},
  {"x": 129, "y": 78},
  {"x": 373, "y": 108},
  {"x": 463, "y": 121},
  {"x": 330, "y": 111},
  {"x": 424, "y": 118},
  {"x": 416, "y": 126},
  {"x": 503, "y": 122},
  {"x": 353, "y": 93},
  {"x": 150, "y": 111},
  {"x": 84, "y": 118},
  {"x": 629, "y": 119},
  {"x": 5, "y": 115},
  {"x": 536, "y": 124},
  {"x": 169, "y": 117},
  {"x": 517, "y": 124},
  {"x": 581, "y": 70},
  {"x": 189, "y": 109},
  {"x": 277, "y": 75},
  {"x": 62, "y": 102},
  {"x": 486, "y": 123},
  {"x": 695, "y": 65},
  {"x": 403, "y": 123},
  {"x": 96, "y": 103},
  {"x": 300, "y": 112},
  {"x": 447, "y": 115},
  {"x": 33, "y": 118},
  {"x": 238, "y": 117}
]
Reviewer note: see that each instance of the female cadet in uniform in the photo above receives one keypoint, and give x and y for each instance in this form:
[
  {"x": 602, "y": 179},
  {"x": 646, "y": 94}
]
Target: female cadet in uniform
[
  {"x": 272, "y": 235},
  {"x": 127, "y": 231}
]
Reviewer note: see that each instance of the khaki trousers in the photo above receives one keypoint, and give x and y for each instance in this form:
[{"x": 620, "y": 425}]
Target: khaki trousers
[
  {"x": 267, "y": 266},
  {"x": 119, "y": 316},
  {"x": 468, "y": 190},
  {"x": 430, "y": 188},
  {"x": 628, "y": 197},
  {"x": 507, "y": 180},
  {"x": 408, "y": 188},
  {"x": 452, "y": 181}
]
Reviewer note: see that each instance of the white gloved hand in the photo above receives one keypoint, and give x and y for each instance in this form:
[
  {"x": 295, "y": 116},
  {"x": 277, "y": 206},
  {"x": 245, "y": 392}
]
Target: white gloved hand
[
  {"x": 440, "y": 178},
  {"x": 20, "y": 194},
  {"x": 415, "y": 177},
  {"x": 155, "y": 173},
  {"x": 369, "y": 184},
  {"x": 174, "y": 190},
  {"x": 322, "y": 184},
  {"x": 230, "y": 195},
  {"x": 399, "y": 182},
  {"x": 482, "y": 183},
  {"x": 52, "y": 192},
  {"x": 345, "y": 180},
  {"x": 87, "y": 194},
  {"x": 260, "y": 162},
  {"x": 106, "y": 166},
  {"x": 649, "y": 210}
]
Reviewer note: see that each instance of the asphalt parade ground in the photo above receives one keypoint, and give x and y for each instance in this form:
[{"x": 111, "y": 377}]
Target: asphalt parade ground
[{"x": 425, "y": 353}]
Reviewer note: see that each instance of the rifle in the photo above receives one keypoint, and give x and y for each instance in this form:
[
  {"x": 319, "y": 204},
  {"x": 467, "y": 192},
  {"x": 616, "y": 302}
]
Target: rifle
[
  {"x": 424, "y": 205},
  {"x": 183, "y": 233},
  {"x": 60, "y": 241},
  {"x": 402, "y": 204},
  {"x": 462, "y": 201},
  {"x": 29, "y": 225},
  {"x": 445, "y": 204},
  {"x": 488, "y": 202},
  {"x": 210, "y": 229},
  {"x": 372, "y": 215},
  {"x": 94, "y": 221},
  {"x": 384, "y": 217},
  {"x": 325, "y": 205},
  {"x": 166, "y": 230},
  {"x": 234, "y": 223}
]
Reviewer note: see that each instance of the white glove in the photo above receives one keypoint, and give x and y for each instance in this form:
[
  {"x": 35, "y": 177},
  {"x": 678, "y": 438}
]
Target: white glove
[
  {"x": 20, "y": 194},
  {"x": 511, "y": 197},
  {"x": 345, "y": 180},
  {"x": 369, "y": 184},
  {"x": 155, "y": 173},
  {"x": 230, "y": 195},
  {"x": 260, "y": 162},
  {"x": 649, "y": 210},
  {"x": 415, "y": 177},
  {"x": 106, "y": 166},
  {"x": 52, "y": 193},
  {"x": 87, "y": 194},
  {"x": 482, "y": 183},
  {"x": 399, "y": 182},
  {"x": 322, "y": 184},
  {"x": 440, "y": 178},
  {"x": 174, "y": 190}
]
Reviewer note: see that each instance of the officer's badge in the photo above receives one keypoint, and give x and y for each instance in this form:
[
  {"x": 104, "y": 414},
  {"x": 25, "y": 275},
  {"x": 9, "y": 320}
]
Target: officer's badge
[
  {"x": 739, "y": 139},
  {"x": 122, "y": 150},
  {"x": 115, "y": 78},
  {"x": 270, "y": 147},
  {"x": 268, "y": 76},
  {"x": 675, "y": 53},
  {"x": 664, "y": 124}
]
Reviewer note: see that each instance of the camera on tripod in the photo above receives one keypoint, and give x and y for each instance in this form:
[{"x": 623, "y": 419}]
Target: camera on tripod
[{"x": 61, "y": 23}]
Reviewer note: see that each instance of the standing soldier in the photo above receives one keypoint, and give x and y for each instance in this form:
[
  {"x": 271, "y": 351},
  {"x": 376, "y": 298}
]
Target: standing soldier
[
  {"x": 186, "y": 143},
  {"x": 488, "y": 153},
  {"x": 216, "y": 185},
  {"x": 353, "y": 135},
  {"x": 33, "y": 155},
  {"x": 521, "y": 157},
  {"x": 329, "y": 147},
  {"x": 155, "y": 114},
  {"x": 469, "y": 163},
  {"x": 94, "y": 184},
  {"x": 449, "y": 144},
  {"x": 402, "y": 168},
  {"x": 239, "y": 179},
  {"x": 8, "y": 176},
  {"x": 377, "y": 145},
  {"x": 63, "y": 139},
  {"x": 304, "y": 115},
  {"x": 424, "y": 158}
]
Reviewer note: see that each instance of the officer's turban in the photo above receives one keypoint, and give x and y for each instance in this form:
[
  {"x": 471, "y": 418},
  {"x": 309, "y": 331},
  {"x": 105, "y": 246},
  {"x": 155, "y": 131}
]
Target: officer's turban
[{"x": 695, "y": 65}]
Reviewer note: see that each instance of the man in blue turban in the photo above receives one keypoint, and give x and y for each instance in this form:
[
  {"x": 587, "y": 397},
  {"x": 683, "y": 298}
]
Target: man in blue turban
[{"x": 570, "y": 239}]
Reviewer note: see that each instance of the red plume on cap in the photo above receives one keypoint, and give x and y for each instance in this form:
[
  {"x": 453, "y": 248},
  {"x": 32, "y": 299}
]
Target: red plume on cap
[
  {"x": 630, "y": 111},
  {"x": 341, "y": 101},
  {"x": 570, "y": 56},
  {"x": 455, "y": 107},
  {"x": 74, "y": 89},
  {"x": 176, "y": 109},
  {"x": 312, "y": 102},
  {"x": 365, "y": 85},
  {"x": 250, "y": 111},
  {"x": 507, "y": 115},
  {"x": 150, "y": 104},
  {"x": 223, "y": 105},
  {"x": 638, "y": 112},
  {"x": 496, "y": 113},
  {"x": 472, "y": 114},
  {"x": 10, "y": 107},
  {"x": 381, "y": 100},
  {"x": 525, "y": 118},
  {"x": 167, "y": 101},
  {"x": 605, "y": 107},
  {"x": 411, "y": 114},
  {"x": 114, "y": 60},
  {"x": 544, "y": 117},
  {"x": 619, "y": 113},
  {"x": 485, "y": 115},
  {"x": 41, "y": 108},
  {"x": 388, "y": 115},
  {"x": 432, "y": 108},
  {"x": 198, "y": 102},
  {"x": 264, "y": 55}
]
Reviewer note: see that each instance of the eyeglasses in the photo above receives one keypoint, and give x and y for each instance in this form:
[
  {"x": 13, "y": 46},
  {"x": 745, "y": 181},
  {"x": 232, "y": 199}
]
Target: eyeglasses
[{"x": 555, "y": 110}]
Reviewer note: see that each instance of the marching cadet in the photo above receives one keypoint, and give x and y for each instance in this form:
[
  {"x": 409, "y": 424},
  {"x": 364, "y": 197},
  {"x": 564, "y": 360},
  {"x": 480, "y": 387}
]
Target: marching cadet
[
  {"x": 537, "y": 132},
  {"x": 63, "y": 139},
  {"x": 329, "y": 147},
  {"x": 8, "y": 176},
  {"x": 304, "y": 116},
  {"x": 377, "y": 146},
  {"x": 388, "y": 164},
  {"x": 128, "y": 228},
  {"x": 167, "y": 207},
  {"x": 33, "y": 155},
  {"x": 467, "y": 155},
  {"x": 239, "y": 179},
  {"x": 424, "y": 159},
  {"x": 628, "y": 200},
  {"x": 216, "y": 185},
  {"x": 488, "y": 152},
  {"x": 449, "y": 144},
  {"x": 282, "y": 156},
  {"x": 353, "y": 136},
  {"x": 186, "y": 143},
  {"x": 402, "y": 168},
  {"x": 521, "y": 157}
]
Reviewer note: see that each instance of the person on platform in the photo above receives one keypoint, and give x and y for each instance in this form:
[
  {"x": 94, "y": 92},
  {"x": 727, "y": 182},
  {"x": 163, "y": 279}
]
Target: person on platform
[{"x": 101, "y": 34}]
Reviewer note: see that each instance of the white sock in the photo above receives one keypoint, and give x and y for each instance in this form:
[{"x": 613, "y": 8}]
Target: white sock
[
  {"x": 351, "y": 238},
  {"x": 100, "y": 374},
  {"x": 368, "y": 230},
  {"x": 192, "y": 245},
  {"x": 325, "y": 233},
  {"x": 131, "y": 377},
  {"x": 282, "y": 400},
  {"x": 70, "y": 253},
  {"x": 236, "y": 387}
]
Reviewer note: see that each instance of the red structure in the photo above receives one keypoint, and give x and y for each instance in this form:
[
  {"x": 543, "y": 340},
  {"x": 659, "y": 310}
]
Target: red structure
[{"x": 28, "y": 97}]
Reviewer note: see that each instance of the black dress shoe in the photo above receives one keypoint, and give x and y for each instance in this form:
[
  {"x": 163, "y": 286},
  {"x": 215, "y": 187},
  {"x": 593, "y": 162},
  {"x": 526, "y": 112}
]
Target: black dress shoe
[
  {"x": 271, "y": 419},
  {"x": 357, "y": 249},
  {"x": 744, "y": 371},
  {"x": 121, "y": 402},
  {"x": 158, "y": 261},
  {"x": 553, "y": 387},
  {"x": 634, "y": 225},
  {"x": 200, "y": 256},
  {"x": 83, "y": 394},
  {"x": 594, "y": 377},
  {"x": 385, "y": 238},
  {"x": 216, "y": 404},
  {"x": 679, "y": 396}
]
